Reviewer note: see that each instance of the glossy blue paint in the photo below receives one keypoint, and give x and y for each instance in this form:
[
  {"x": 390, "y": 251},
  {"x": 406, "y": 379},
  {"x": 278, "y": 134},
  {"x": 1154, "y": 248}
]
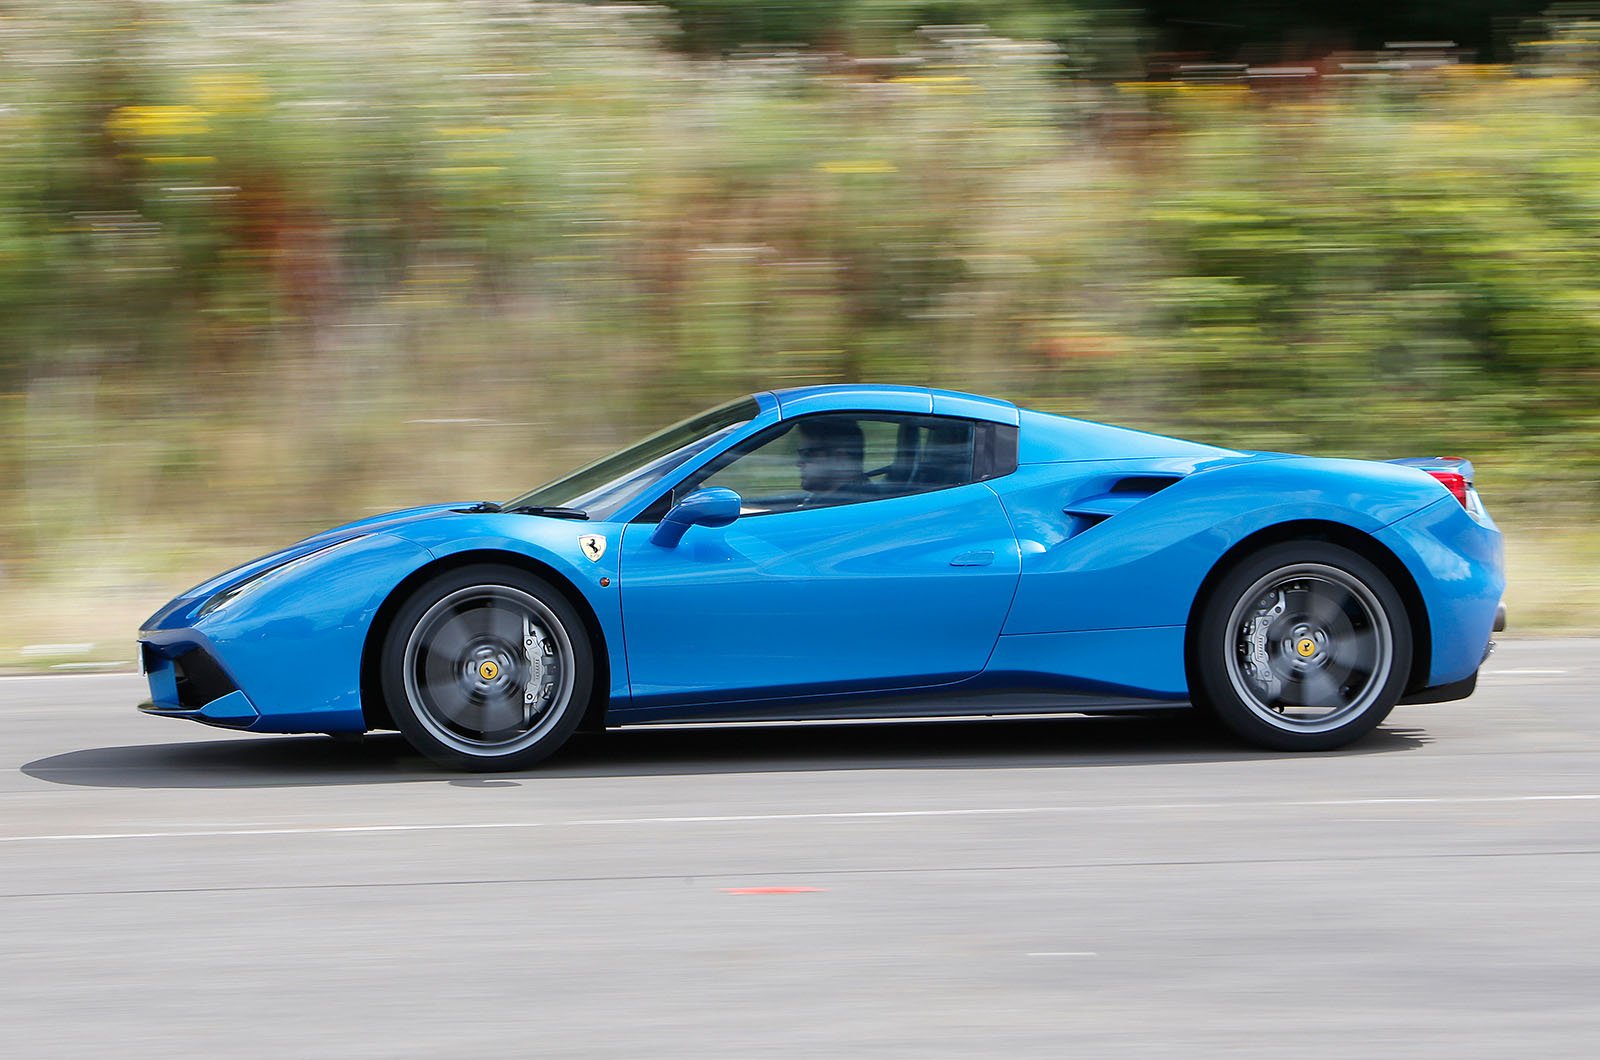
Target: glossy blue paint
[
  {"x": 706, "y": 507},
  {"x": 972, "y": 407},
  {"x": 805, "y": 400},
  {"x": 234, "y": 708},
  {"x": 181, "y": 610},
  {"x": 1458, "y": 564},
  {"x": 1048, "y": 439},
  {"x": 552, "y": 544},
  {"x": 1144, "y": 566},
  {"x": 293, "y": 644},
  {"x": 1074, "y": 574},
  {"x": 1124, "y": 662},
  {"x": 856, "y": 597}
]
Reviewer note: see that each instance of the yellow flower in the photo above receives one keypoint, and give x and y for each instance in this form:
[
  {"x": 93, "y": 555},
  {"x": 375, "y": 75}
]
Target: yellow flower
[
  {"x": 942, "y": 83},
  {"x": 857, "y": 166},
  {"x": 136, "y": 123}
]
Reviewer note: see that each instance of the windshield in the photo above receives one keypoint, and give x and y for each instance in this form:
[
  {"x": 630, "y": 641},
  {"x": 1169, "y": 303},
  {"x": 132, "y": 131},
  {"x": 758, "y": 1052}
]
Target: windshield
[{"x": 603, "y": 487}]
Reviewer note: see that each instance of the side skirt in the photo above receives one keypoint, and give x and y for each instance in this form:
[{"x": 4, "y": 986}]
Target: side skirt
[{"x": 926, "y": 705}]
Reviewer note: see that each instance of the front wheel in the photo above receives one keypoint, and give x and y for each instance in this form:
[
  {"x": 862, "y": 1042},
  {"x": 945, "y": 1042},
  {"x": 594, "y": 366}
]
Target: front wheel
[
  {"x": 487, "y": 668},
  {"x": 1304, "y": 646}
]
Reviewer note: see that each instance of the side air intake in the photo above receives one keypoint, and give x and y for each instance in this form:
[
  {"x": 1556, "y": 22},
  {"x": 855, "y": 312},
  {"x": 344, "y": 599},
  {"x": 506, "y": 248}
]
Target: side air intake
[{"x": 1115, "y": 497}]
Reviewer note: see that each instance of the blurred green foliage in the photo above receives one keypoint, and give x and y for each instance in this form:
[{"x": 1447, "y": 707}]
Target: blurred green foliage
[
  {"x": 268, "y": 265},
  {"x": 868, "y": 26}
]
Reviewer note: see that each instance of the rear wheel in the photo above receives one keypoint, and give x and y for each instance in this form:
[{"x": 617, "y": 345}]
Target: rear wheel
[
  {"x": 1304, "y": 646},
  {"x": 487, "y": 668}
]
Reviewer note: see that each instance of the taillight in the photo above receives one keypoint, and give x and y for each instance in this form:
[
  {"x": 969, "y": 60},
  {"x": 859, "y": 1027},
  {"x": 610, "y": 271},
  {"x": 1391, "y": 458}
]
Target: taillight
[
  {"x": 1455, "y": 474},
  {"x": 1456, "y": 483}
]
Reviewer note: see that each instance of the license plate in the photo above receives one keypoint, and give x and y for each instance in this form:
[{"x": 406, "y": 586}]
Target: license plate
[{"x": 138, "y": 658}]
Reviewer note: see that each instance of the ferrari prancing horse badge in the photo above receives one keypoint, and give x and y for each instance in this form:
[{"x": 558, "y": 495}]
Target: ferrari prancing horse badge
[{"x": 593, "y": 545}]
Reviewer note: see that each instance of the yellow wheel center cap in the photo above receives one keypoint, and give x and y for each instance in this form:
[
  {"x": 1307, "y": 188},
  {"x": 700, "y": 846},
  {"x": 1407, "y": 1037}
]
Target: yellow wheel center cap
[
  {"x": 488, "y": 670},
  {"x": 1306, "y": 647}
]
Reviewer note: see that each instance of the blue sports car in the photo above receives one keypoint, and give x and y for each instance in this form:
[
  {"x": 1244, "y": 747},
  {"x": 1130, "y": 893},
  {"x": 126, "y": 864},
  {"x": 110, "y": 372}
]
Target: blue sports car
[{"x": 860, "y": 551}]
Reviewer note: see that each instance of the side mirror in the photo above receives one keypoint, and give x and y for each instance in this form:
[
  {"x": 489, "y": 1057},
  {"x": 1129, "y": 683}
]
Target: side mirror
[{"x": 708, "y": 507}]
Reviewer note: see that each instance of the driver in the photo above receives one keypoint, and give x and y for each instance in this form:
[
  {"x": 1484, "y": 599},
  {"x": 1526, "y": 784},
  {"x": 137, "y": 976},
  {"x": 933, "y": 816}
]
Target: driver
[{"x": 830, "y": 456}]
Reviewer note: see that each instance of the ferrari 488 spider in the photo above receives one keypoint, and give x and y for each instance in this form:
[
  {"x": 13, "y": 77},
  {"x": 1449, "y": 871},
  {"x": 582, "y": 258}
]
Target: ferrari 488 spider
[{"x": 860, "y": 551}]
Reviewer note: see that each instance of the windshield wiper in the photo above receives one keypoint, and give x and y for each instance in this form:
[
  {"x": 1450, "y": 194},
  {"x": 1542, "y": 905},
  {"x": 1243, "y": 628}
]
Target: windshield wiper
[{"x": 554, "y": 511}]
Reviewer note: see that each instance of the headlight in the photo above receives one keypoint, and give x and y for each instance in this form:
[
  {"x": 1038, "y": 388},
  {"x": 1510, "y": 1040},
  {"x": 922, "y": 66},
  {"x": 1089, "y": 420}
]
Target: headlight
[{"x": 227, "y": 596}]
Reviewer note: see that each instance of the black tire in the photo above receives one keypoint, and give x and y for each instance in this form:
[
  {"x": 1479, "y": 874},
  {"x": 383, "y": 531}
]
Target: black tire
[
  {"x": 1303, "y": 646},
  {"x": 487, "y": 668}
]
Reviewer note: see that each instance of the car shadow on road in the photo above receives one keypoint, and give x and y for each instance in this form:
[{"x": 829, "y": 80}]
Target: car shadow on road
[{"x": 1011, "y": 743}]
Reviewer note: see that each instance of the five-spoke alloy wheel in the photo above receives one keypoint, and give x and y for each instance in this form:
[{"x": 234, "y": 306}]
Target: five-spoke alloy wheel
[
  {"x": 1302, "y": 646},
  {"x": 487, "y": 668}
]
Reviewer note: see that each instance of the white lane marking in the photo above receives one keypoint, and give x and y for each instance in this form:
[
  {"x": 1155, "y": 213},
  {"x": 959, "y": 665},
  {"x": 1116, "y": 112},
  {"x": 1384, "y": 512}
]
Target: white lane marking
[
  {"x": 466, "y": 826},
  {"x": 62, "y": 677},
  {"x": 1064, "y": 953},
  {"x": 35, "y": 651}
]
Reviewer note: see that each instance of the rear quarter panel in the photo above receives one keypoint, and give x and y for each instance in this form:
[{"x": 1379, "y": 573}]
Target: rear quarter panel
[
  {"x": 1458, "y": 564},
  {"x": 1143, "y": 567}
]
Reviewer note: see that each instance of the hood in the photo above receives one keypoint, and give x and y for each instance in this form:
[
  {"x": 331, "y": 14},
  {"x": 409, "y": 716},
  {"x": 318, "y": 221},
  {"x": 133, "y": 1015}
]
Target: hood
[
  {"x": 359, "y": 528},
  {"x": 377, "y": 524}
]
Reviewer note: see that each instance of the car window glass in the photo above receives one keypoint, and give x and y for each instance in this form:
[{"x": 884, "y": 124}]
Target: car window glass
[
  {"x": 844, "y": 458},
  {"x": 602, "y": 487}
]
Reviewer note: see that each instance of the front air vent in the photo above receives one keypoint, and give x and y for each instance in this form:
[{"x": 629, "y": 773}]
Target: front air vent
[{"x": 199, "y": 679}]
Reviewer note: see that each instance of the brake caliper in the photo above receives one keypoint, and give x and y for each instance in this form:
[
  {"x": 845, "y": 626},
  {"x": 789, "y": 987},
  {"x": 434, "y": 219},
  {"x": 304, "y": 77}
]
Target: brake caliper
[
  {"x": 1256, "y": 662},
  {"x": 534, "y": 650}
]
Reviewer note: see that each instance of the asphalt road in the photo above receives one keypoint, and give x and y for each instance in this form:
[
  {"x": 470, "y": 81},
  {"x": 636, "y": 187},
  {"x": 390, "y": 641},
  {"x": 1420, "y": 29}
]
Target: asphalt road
[{"x": 1063, "y": 887}]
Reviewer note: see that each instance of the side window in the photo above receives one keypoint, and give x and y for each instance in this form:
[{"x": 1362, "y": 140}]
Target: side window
[{"x": 844, "y": 458}]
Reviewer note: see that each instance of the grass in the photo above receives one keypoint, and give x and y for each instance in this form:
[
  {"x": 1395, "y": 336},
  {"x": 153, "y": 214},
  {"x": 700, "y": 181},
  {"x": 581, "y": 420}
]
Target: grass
[
  {"x": 265, "y": 267},
  {"x": 1553, "y": 576}
]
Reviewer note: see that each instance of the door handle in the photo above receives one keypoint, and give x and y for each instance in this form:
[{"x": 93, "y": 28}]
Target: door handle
[{"x": 981, "y": 558}]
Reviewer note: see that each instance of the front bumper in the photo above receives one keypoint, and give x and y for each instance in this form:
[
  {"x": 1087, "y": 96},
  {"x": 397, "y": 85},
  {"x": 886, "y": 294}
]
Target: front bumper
[
  {"x": 287, "y": 656},
  {"x": 186, "y": 681},
  {"x": 232, "y": 711}
]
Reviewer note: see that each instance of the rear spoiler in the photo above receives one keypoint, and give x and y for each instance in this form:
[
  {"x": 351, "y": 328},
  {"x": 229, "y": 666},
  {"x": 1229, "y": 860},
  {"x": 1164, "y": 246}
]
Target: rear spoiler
[
  {"x": 1460, "y": 465},
  {"x": 1454, "y": 471}
]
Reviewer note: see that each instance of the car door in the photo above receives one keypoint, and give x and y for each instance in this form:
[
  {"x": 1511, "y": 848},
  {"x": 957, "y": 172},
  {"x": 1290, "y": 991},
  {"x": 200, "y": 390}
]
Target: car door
[{"x": 900, "y": 577}]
